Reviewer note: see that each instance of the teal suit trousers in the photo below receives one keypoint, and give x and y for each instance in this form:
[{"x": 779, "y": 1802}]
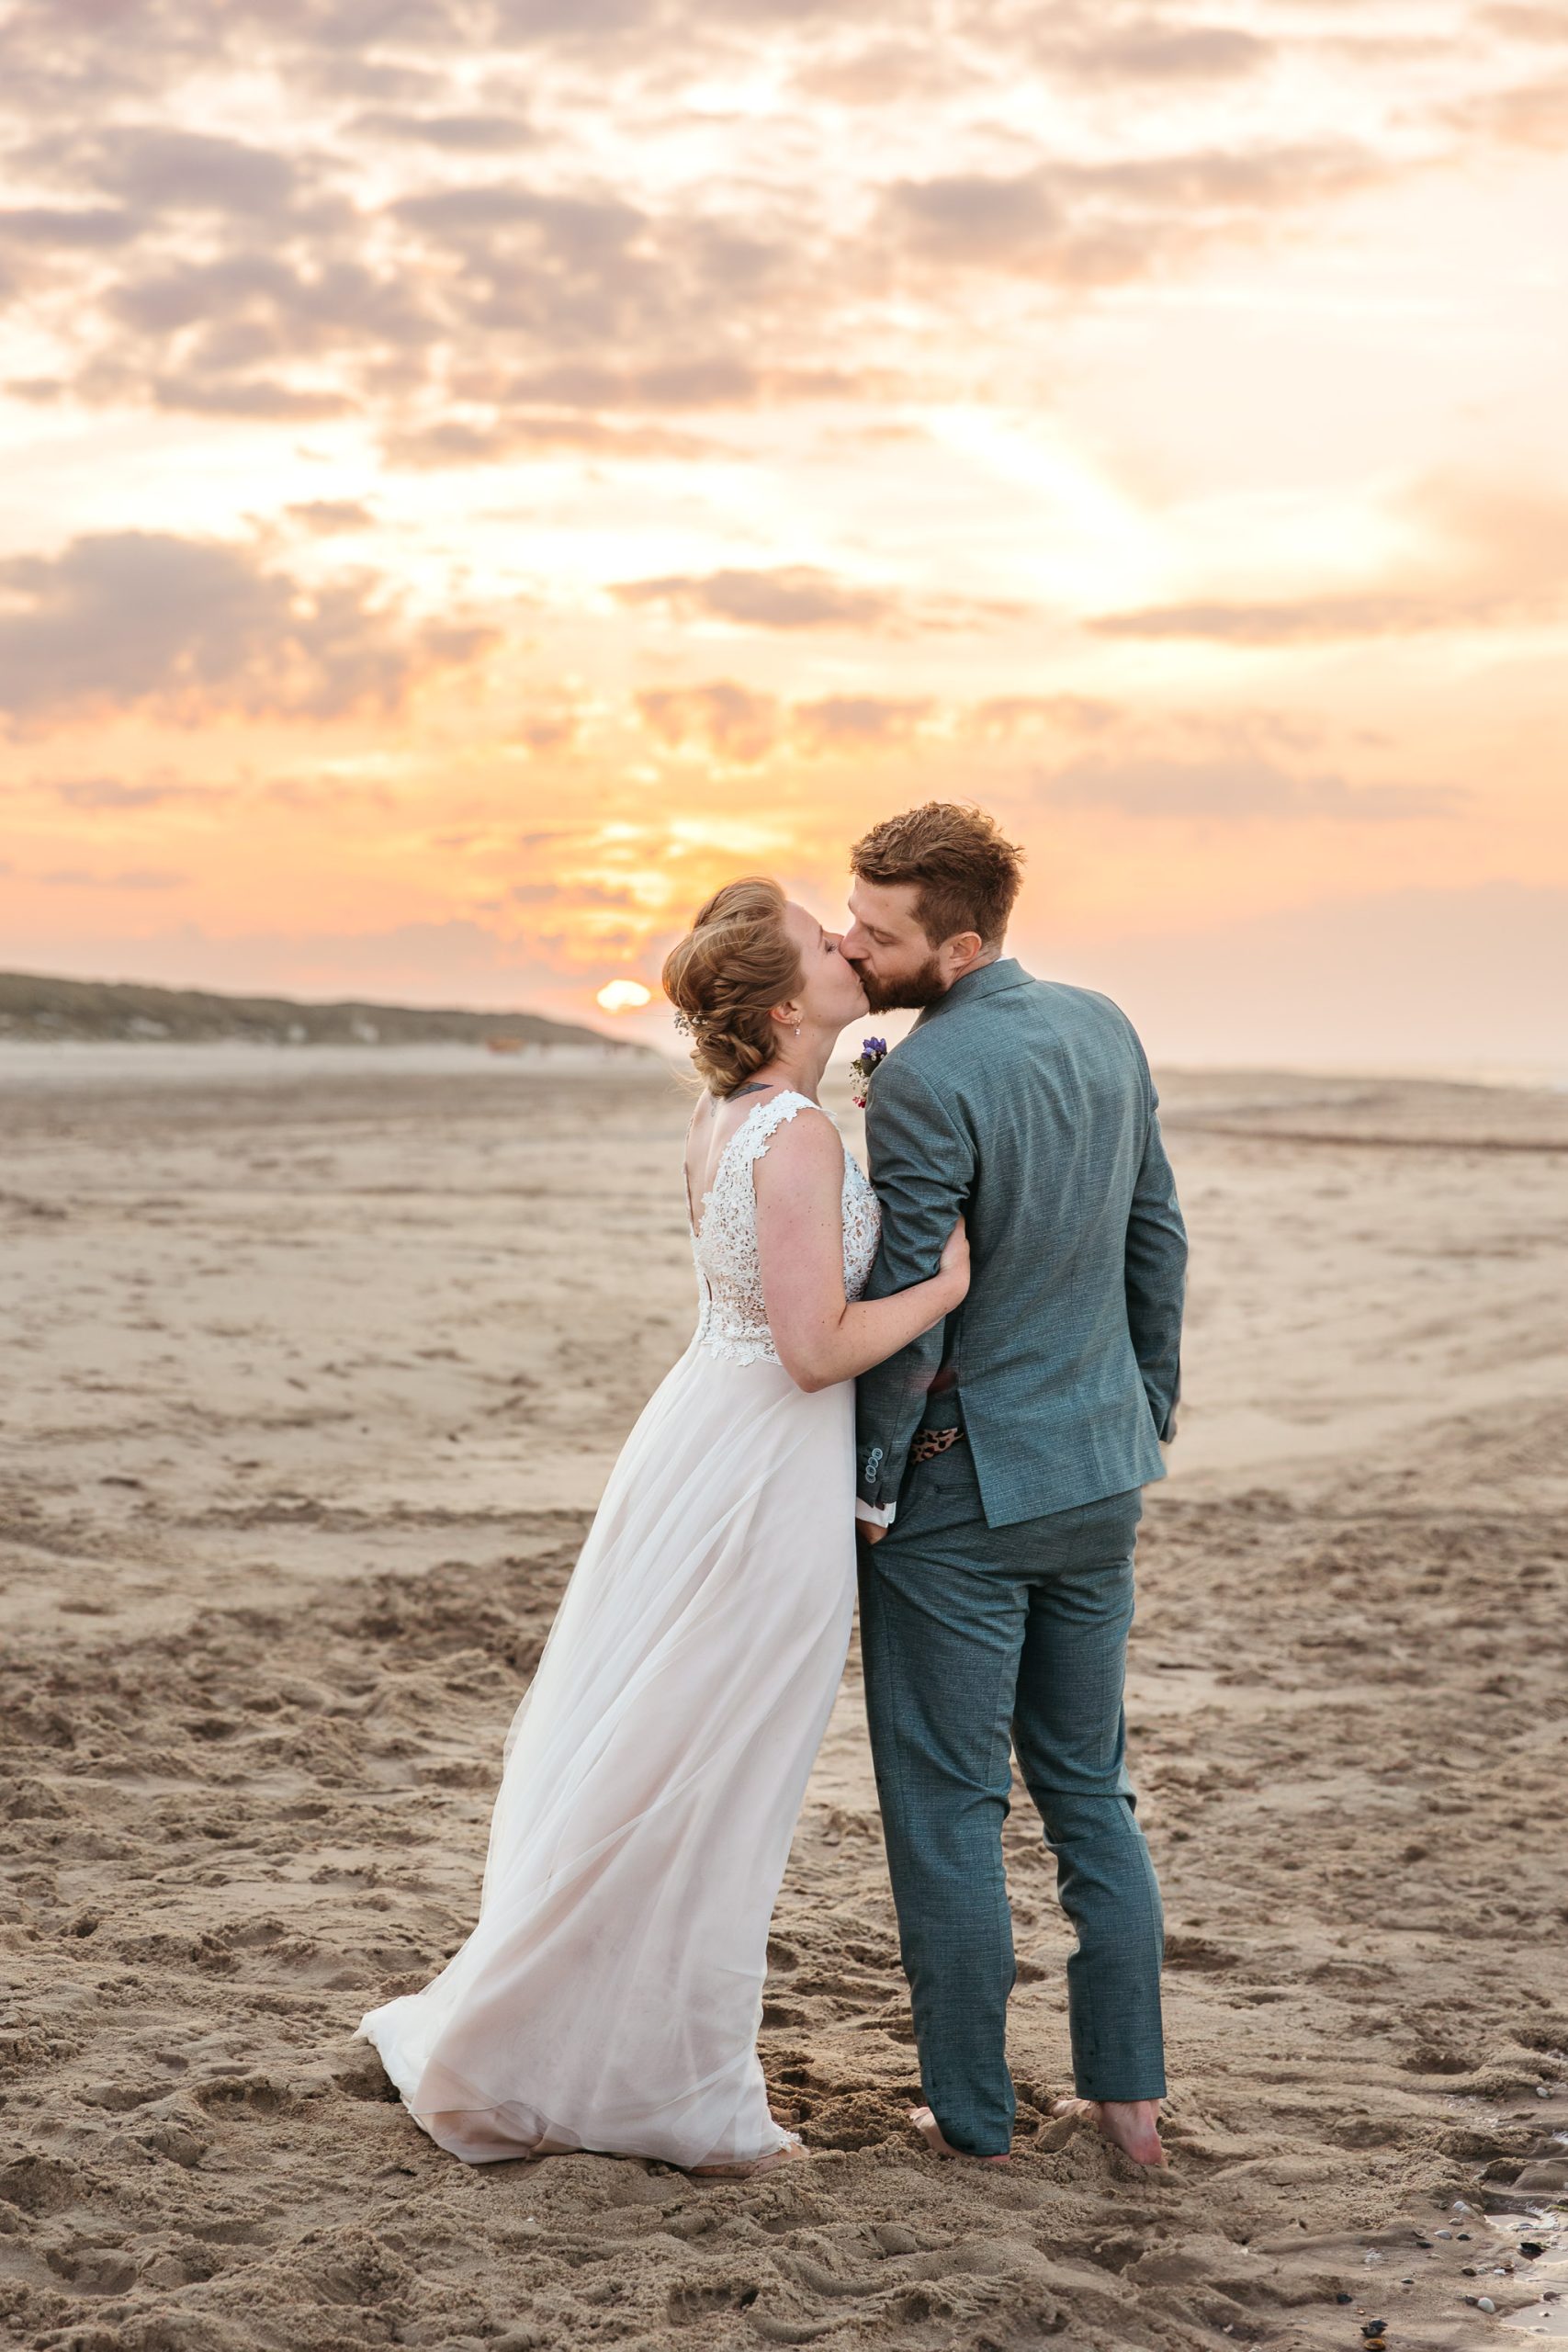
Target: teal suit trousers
[{"x": 979, "y": 1641}]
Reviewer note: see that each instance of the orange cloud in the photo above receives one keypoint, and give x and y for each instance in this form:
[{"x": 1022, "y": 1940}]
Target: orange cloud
[
  {"x": 1499, "y": 557},
  {"x": 724, "y": 717},
  {"x": 859, "y": 722},
  {"x": 1239, "y": 790},
  {"x": 120, "y": 618},
  {"x": 804, "y": 596},
  {"x": 1527, "y": 114}
]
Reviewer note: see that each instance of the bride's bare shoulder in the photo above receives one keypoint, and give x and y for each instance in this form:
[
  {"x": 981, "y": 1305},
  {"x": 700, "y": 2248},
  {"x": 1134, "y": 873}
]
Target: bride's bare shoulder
[{"x": 805, "y": 1146}]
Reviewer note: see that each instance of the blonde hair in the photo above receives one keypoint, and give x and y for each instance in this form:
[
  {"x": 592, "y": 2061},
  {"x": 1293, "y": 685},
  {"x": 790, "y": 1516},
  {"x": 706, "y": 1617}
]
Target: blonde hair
[{"x": 734, "y": 965}]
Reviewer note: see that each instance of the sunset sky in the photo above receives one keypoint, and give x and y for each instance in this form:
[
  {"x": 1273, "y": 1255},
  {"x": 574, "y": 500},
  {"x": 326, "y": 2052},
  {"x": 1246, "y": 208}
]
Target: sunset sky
[{"x": 480, "y": 472}]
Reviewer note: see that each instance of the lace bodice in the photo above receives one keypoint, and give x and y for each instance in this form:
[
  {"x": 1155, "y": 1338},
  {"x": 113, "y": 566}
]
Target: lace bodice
[{"x": 732, "y": 1321}]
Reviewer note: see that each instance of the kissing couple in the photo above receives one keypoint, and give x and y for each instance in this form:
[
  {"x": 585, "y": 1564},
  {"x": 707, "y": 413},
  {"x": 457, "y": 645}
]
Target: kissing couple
[{"x": 969, "y": 1363}]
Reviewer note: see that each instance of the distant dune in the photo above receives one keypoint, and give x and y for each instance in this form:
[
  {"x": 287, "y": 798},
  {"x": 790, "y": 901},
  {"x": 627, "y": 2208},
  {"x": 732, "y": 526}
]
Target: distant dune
[{"x": 34, "y": 1005}]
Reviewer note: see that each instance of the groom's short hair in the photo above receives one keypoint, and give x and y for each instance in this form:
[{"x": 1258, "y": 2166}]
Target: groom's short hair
[{"x": 967, "y": 876}]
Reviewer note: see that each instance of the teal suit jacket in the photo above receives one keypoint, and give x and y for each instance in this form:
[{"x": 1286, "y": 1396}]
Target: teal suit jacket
[{"x": 1030, "y": 1106}]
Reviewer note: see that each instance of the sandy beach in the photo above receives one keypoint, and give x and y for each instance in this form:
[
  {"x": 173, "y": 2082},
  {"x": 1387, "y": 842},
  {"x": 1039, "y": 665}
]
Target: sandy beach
[{"x": 316, "y": 1361}]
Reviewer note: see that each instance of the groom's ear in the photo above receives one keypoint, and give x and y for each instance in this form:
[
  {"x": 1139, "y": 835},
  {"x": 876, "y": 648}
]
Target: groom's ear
[{"x": 961, "y": 950}]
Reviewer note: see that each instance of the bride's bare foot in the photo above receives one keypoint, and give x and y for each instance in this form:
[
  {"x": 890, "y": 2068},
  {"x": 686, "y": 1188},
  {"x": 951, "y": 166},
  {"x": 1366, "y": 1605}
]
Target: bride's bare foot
[
  {"x": 790, "y": 2152},
  {"x": 1131, "y": 2124},
  {"x": 930, "y": 2131}
]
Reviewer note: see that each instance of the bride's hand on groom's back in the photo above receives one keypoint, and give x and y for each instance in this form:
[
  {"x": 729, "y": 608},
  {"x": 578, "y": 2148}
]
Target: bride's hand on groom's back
[{"x": 954, "y": 1260}]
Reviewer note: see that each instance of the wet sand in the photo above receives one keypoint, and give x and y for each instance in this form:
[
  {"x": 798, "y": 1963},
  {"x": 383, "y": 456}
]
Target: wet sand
[{"x": 314, "y": 1369}]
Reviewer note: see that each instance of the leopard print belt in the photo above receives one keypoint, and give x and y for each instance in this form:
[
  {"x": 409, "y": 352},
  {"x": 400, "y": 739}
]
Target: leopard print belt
[{"x": 927, "y": 1442}]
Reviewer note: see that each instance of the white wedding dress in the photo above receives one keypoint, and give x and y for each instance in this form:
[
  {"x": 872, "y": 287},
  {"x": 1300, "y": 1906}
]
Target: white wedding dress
[{"x": 609, "y": 1996}]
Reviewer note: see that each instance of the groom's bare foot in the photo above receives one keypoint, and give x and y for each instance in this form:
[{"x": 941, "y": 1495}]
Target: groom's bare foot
[
  {"x": 1131, "y": 2124},
  {"x": 930, "y": 2131}
]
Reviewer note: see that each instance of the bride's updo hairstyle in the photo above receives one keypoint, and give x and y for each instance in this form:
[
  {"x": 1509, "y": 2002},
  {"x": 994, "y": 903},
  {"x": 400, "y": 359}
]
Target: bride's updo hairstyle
[{"x": 734, "y": 965}]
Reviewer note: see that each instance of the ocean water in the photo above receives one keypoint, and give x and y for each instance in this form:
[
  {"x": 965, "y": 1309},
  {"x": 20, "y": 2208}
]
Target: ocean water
[{"x": 68, "y": 1063}]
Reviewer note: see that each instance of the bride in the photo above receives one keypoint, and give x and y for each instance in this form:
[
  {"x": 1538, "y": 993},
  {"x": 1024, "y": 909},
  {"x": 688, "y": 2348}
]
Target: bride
[{"x": 609, "y": 1995}]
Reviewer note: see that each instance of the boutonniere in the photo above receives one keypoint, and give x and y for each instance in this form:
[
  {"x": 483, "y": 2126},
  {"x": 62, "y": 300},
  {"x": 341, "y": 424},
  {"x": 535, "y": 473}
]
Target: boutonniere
[{"x": 873, "y": 1050}]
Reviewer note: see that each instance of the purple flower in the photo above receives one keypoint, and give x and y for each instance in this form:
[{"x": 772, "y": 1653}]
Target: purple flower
[{"x": 873, "y": 1050}]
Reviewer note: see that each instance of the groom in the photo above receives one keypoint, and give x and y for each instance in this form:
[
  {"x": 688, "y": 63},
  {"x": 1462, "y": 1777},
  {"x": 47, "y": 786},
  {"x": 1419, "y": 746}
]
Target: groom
[{"x": 999, "y": 1460}]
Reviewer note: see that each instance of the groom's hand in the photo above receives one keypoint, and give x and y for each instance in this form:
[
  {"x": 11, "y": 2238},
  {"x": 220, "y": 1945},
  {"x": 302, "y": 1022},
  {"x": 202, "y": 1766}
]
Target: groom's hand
[{"x": 872, "y": 1533}]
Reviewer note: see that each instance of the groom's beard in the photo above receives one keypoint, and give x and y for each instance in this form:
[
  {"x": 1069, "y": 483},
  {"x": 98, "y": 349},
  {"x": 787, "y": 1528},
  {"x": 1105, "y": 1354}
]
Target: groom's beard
[{"x": 919, "y": 988}]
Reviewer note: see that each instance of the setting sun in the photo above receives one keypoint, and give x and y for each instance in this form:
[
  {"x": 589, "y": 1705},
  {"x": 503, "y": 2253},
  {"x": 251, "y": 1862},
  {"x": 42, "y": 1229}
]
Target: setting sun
[{"x": 623, "y": 996}]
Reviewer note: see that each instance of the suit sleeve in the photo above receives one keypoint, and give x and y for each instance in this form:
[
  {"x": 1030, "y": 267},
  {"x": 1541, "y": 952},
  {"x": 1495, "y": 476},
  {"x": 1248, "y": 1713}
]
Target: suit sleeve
[
  {"x": 1157, "y": 1277},
  {"x": 922, "y": 1166}
]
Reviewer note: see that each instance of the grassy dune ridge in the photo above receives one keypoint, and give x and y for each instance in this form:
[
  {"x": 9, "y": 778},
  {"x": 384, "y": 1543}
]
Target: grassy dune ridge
[{"x": 35, "y": 1004}]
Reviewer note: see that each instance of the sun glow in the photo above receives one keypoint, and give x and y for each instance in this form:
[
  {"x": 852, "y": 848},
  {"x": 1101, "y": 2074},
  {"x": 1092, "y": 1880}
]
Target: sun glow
[
  {"x": 440, "y": 551},
  {"x": 1092, "y": 542}
]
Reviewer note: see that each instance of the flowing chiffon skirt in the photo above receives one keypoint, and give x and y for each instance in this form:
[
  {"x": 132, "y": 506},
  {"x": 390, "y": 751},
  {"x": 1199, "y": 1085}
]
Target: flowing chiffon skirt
[{"x": 609, "y": 1996}]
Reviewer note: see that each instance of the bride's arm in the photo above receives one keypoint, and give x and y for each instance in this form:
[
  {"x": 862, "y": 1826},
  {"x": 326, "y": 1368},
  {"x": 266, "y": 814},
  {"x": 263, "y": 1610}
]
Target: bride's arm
[{"x": 822, "y": 1337}]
